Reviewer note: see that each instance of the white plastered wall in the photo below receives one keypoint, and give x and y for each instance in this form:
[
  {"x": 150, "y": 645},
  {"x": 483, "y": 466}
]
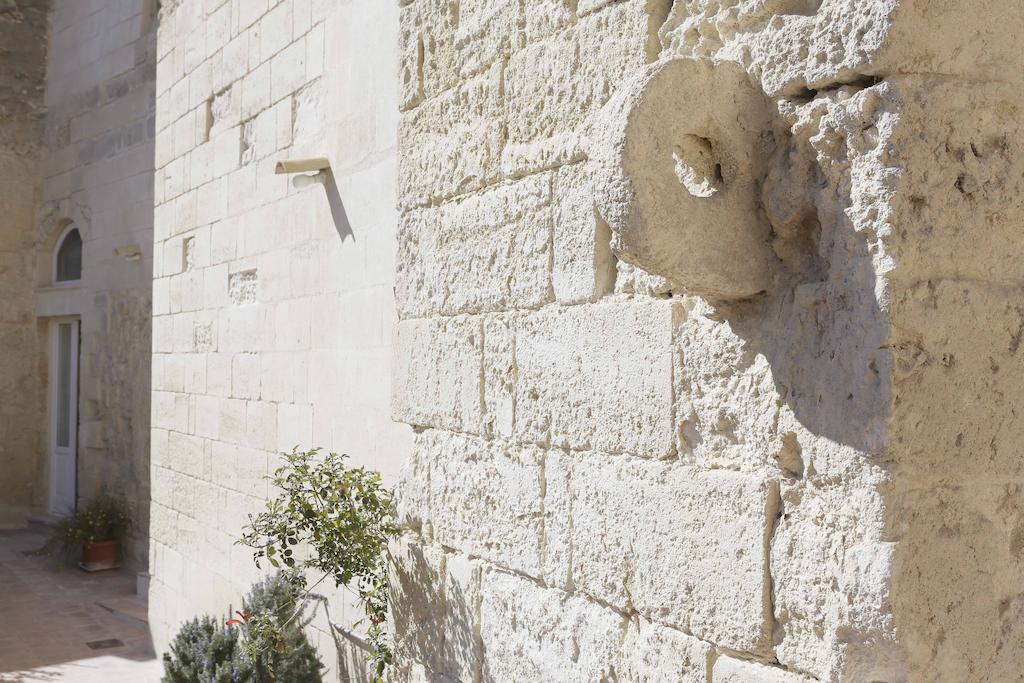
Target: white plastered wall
[{"x": 273, "y": 306}]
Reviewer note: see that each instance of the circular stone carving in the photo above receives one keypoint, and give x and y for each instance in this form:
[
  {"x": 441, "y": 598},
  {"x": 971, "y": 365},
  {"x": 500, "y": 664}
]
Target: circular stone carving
[{"x": 682, "y": 150}]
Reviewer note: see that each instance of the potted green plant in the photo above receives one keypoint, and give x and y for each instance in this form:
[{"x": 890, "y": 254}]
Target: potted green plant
[{"x": 95, "y": 530}]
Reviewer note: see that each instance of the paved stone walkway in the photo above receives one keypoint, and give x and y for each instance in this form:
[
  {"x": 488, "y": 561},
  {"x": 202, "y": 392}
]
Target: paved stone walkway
[{"x": 48, "y": 614}]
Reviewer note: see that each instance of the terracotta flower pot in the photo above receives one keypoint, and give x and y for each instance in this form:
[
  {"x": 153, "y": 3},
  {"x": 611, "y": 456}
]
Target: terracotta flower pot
[{"x": 101, "y": 555}]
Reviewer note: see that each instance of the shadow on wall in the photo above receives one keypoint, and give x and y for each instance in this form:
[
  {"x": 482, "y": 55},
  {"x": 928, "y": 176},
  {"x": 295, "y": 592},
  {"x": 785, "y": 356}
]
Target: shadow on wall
[
  {"x": 353, "y": 663},
  {"x": 817, "y": 356},
  {"x": 896, "y": 367},
  {"x": 722, "y": 199},
  {"x": 338, "y": 213},
  {"x": 788, "y": 371},
  {"x": 871, "y": 373},
  {"x": 351, "y": 652},
  {"x": 432, "y": 608}
]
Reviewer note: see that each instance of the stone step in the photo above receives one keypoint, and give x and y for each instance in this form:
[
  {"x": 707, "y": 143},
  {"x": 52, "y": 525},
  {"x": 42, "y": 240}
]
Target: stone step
[{"x": 43, "y": 522}]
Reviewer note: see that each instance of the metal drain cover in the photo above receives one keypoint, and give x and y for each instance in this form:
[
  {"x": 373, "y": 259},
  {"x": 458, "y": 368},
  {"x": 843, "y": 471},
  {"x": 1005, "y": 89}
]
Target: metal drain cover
[{"x": 104, "y": 644}]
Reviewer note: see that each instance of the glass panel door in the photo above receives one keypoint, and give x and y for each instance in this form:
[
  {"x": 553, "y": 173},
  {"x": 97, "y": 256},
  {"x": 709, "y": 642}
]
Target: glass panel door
[
  {"x": 63, "y": 415},
  {"x": 64, "y": 384}
]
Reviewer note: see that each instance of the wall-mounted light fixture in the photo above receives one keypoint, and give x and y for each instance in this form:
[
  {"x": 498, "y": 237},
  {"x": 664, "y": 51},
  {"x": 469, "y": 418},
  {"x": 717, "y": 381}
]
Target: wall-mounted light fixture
[{"x": 311, "y": 170}]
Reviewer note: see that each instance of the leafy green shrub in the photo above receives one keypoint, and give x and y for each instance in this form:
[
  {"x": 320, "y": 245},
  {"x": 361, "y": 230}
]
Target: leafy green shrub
[
  {"x": 345, "y": 517},
  {"x": 104, "y": 518},
  {"x": 269, "y": 645}
]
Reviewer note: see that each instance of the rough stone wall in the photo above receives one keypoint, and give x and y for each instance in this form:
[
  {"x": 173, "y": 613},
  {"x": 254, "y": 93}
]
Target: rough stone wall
[
  {"x": 634, "y": 460},
  {"x": 97, "y": 174},
  {"x": 957, "y": 321},
  {"x": 273, "y": 305},
  {"x": 24, "y": 32}
]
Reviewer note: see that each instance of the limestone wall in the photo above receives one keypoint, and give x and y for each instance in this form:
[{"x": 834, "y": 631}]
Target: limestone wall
[
  {"x": 24, "y": 32},
  {"x": 710, "y": 362},
  {"x": 273, "y": 306},
  {"x": 97, "y": 175}
]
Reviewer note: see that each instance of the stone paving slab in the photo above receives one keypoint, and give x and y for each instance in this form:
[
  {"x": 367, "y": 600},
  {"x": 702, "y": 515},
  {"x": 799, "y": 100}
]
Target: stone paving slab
[{"x": 49, "y": 614}]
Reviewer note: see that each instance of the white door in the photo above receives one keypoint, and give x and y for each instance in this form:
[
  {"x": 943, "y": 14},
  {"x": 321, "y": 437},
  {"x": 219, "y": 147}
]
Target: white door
[{"x": 63, "y": 415}]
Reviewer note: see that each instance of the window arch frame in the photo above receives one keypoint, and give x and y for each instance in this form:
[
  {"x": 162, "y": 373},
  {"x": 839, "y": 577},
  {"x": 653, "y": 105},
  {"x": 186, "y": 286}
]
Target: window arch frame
[{"x": 61, "y": 239}]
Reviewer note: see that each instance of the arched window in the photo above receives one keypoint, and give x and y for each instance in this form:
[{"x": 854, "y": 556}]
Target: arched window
[{"x": 68, "y": 266}]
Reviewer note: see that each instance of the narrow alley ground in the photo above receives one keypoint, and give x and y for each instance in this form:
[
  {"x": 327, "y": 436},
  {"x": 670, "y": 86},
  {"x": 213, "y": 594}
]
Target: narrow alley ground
[{"x": 62, "y": 624}]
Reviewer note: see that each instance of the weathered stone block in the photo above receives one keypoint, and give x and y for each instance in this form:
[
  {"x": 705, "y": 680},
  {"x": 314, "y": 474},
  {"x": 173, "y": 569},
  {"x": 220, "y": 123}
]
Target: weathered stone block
[
  {"x": 583, "y": 267},
  {"x": 797, "y": 44},
  {"x": 596, "y": 377},
  {"x": 555, "y": 86},
  {"x": 956, "y": 437},
  {"x": 727, "y": 406},
  {"x": 732, "y": 670},
  {"x": 556, "y": 545},
  {"x": 981, "y": 361},
  {"x": 426, "y": 43},
  {"x": 546, "y": 17},
  {"x": 436, "y": 373},
  {"x": 652, "y": 653},
  {"x": 487, "y": 252},
  {"x": 288, "y": 70},
  {"x": 442, "y": 44},
  {"x": 462, "y": 654},
  {"x": 170, "y": 411},
  {"x": 412, "y": 494},
  {"x": 963, "y": 175},
  {"x": 636, "y": 281},
  {"x": 632, "y": 518},
  {"x": 453, "y": 141},
  {"x": 829, "y": 583},
  {"x": 956, "y": 573},
  {"x": 487, "y": 30},
  {"x": 417, "y": 594},
  {"x": 434, "y": 605},
  {"x": 531, "y": 633},
  {"x": 410, "y": 57},
  {"x": 499, "y": 375},
  {"x": 485, "y": 498}
]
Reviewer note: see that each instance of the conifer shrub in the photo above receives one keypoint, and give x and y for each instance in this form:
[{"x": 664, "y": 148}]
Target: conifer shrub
[
  {"x": 264, "y": 644},
  {"x": 206, "y": 650}
]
